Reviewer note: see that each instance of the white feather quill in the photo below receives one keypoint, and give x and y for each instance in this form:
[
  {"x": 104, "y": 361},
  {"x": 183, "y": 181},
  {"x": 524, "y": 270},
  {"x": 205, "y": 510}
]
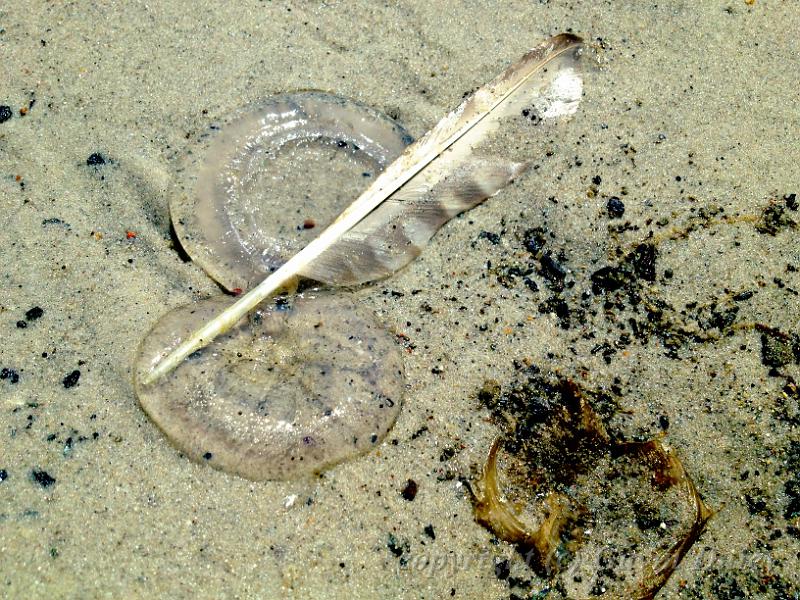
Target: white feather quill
[{"x": 434, "y": 179}]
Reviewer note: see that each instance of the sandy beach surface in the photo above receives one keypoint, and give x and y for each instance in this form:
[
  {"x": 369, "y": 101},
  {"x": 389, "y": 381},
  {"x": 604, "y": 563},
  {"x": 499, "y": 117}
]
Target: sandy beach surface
[{"x": 690, "y": 124}]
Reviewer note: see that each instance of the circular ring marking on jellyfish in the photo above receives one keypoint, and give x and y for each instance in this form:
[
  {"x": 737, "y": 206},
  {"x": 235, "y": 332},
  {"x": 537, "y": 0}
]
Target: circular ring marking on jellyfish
[
  {"x": 274, "y": 177},
  {"x": 290, "y": 390}
]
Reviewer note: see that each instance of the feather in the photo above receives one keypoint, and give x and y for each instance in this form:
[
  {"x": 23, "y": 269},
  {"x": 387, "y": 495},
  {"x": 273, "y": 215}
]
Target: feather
[
  {"x": 435, "y": 178},
  {"x": 394, "y": 234}
]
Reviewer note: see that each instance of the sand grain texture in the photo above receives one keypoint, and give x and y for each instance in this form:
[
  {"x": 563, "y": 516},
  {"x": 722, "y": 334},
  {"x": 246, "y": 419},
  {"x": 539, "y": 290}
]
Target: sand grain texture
[{"x": 696, "y": 107}]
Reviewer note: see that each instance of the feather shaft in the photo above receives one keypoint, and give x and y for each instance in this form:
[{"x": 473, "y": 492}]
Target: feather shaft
[{"x": 450, "y": 142}]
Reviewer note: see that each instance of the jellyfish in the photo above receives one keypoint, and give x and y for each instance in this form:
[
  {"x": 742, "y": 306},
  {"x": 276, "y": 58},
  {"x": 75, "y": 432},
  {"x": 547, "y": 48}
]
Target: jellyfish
[{"x": 305, "y": 381}]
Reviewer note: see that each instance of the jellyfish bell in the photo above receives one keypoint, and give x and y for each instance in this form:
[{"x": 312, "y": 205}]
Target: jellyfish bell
[
  {"x": 273, "y": 177},
  {"x": 295, "y": 387}
]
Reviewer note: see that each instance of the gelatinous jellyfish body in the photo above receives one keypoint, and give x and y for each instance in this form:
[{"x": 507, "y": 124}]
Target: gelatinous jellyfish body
[
  {"x": 274, "y": 177},
  {"x": 293, "y": 388},
  {"x": 296, "y": 387}
]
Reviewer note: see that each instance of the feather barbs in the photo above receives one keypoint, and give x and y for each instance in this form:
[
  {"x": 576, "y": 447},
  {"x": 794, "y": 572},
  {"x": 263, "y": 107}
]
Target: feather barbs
[{"x": 434, "y": 179}]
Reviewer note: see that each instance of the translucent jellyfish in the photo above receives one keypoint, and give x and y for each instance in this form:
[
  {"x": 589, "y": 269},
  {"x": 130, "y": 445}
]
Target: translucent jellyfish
[
  {"x": 274, "y": 177},
  {"x": 297, "y": 386}
]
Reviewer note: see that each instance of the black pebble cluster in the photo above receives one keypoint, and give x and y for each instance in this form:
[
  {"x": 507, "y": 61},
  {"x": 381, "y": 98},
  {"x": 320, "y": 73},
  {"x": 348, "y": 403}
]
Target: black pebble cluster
[{"x": 10, "y": 374}]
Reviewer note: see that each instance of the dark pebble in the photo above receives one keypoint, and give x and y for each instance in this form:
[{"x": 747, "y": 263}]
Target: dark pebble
[
  {"x": 722, "y": 319},
  {"x": 55, "y": 221},
  {"x": 615, "y": 207},
  {"x": 552, "y": 270},
  {"x": 608, "y": 279},
  {"x": 208, "y": 456},
  {"x": 791, "y": 201},
  {"x": 447, "y": 454},
  {"x": 428, "y": 530},
  {"x": 10, "y": 374},
  {"x": 792, "y": 490},
  {"x": 95, "y": 159},
  {"x": 774, "y": 219},
  {"x": 643, "y": 260},
  {"x": 71, "y": 380},
  {"x": 488, "y": 235},
  {"x": 5, "y": 113},
  {"x": 756, "y": 506},
  {"x": 43, "y": 478},
  {"x": 559, "y": 307},
  {"x": 531, "y": 284},
  {"x": 793, "y": 457},
  {"x": 502, "y": 569},
  {"x": 409, "y": 491},
  {"x": 396, "y": 547},
  {"x": 531, "y": 114},
  {"x": 535, "y": 240},
  {"x": 22, "y": 324},
  {"x": 742, "y": 296},
  {"x": 419, "y": 432},
  {"x": 4, "y": 476},
  {"x": 663, "y": 422},
  {"x": 489, "y": 394},
  {"x": 596, "y": 180},
  {"x": 35, "y": 313}
]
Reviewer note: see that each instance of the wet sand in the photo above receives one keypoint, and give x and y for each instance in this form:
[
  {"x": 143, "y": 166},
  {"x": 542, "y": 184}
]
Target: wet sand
[{"x": 695, "y": 108}]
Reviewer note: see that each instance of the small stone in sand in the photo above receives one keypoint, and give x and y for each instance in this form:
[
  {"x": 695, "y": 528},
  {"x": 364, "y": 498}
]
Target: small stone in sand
[
  {"x": 71, "y": 379},
  {"x": 409, "y": 491},
  {"x": 95, "y": 159},
  {"x": 34, "y": 313},
  {"x": 615, "y": 207},
  {"x": 43, "y": 478}
]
